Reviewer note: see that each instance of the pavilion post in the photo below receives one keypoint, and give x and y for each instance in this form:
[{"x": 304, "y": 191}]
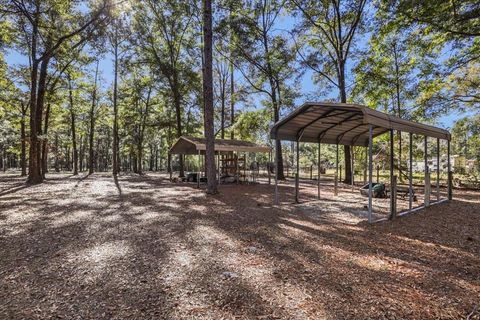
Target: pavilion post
[
  {"x": 319, "y": 174},
  {"x": 410, "y": 174},
  {"x": 353, "y": 167},
  {"x": 438, "y": 169},
  {"x": 392, "y": 180},
  {"x": 170, "y": 165},
  {"x": 268, "y": 167},
  {"x": 370, "y": 172},
  {"x": 276, "y": 174},
  {"x": 335, "y": 187},
  {"x": 198, "y": 173},
  {"x": 449, "y": 168},
  {"x": 218, "y": 167},
  {"x": 427, "y": 172},
  {"x": 297, "y": 172},
  {"x": 237, "y": 170},
  {"x": 365, "y": 167},
  {"x": 245, "y": 167}
]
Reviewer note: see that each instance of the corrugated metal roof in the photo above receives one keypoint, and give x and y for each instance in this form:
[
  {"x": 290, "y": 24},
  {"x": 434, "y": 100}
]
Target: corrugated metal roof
[
  {"x": 191, "y": 145},
  {"x": 343, "y": 123}
]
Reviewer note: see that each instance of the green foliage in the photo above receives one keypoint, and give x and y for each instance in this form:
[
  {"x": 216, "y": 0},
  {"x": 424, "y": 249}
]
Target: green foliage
[{"x": 252, "y": 125}]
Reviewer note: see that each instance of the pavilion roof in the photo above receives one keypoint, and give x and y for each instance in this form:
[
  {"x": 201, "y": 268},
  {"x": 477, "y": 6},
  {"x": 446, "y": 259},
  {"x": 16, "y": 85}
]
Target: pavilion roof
[{"x": 192, "y": 145}]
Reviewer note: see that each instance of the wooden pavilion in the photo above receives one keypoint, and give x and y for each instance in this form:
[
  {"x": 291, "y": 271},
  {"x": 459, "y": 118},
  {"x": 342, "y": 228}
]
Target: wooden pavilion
[{"x": 231, "y": 154}]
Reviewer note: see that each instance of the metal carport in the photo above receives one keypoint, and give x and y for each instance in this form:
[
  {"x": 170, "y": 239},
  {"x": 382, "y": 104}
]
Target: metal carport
[{"x": 354, "y": 125}]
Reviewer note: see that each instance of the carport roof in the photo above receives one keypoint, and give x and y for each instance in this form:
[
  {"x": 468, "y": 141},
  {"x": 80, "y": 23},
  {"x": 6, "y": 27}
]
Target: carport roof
[
  {"x": 191, "y": 145},
  {"x": 344, "y": 123}
]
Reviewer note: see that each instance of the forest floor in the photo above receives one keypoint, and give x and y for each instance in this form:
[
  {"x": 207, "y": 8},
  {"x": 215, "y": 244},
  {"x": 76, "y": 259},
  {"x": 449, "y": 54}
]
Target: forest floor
[{"x": 142, "y": 248}]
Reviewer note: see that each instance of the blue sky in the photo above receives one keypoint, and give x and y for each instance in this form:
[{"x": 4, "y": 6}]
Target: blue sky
[{"x": 307, "y": 85}]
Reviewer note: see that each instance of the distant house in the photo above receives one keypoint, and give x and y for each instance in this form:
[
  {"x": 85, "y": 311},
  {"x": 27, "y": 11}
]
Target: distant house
[
  {"x": 471, "y": 165},
  {"x": 457, "y": 162}
]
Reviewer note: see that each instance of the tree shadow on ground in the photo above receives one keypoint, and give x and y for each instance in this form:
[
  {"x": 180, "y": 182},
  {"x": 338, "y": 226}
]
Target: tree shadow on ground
[{"x": 165, "y": 250}]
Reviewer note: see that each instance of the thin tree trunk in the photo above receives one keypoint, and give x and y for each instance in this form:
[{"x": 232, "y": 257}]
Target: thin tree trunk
[
  {"x": 232, "y": 86},
  {"x": 57, "y": 169},
  {"x": 45, "y": 143},
  {"x": 72, "y": 127},
  {"x": 80, "y": 160},
  {"x": 92, "y": 123},
  {"x": 178, "y": 111},
  {"x": 115, "y": 149},
  {"x": 23, "y": 156},
  {"x": 4, "y": 159},
  {"x": 399, "y": 109},
  {"x": 222, "y": 115}
]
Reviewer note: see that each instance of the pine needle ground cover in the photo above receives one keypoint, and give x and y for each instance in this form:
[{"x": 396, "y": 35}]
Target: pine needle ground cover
[{"x": 142, "y": 247}]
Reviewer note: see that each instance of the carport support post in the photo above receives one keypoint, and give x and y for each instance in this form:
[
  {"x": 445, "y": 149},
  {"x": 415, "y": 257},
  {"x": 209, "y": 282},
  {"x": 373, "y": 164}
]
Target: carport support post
[
  {"x": 237, "y": 170},
  {"x": 365, "y": 167},
  {"x": 276, "y": 174},
  {"x": 297, "y": 172},
  {"x": 198, "y": 173},
  {"x": 410, "y": 174},
  {"x": 335, "y": 187},
  {"x": 449, "y": 176},
  {"x": 353, "y": 168},
  {"x": 170, "y": 165},
  {"x": 319, "y": 168},
  {"x": 426, "y": 190},
  {"x": 370, "y": 169},
  {"x": 268, "y": 167},
  {"x": 218, "y": 166},
  {"x": 438, "y": 169},
  {"x": 199, "y": 165},
  {"x": 392, "y": 180}
]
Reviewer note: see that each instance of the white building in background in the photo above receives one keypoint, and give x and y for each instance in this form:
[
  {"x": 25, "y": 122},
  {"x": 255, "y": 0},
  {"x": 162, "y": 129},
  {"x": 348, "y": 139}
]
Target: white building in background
[
  {"x": 471, "y": 165},
  {"x": 457, "y": 163}
]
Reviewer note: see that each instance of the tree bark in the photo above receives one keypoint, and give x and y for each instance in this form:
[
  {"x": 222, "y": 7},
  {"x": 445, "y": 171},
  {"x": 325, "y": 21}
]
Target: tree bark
[
  {"x": 232, "y": 85},
  {"x": 178, "y": 114},
  {"x": 399, "y": 109},
  {"x": 23, "y": 156},
  {"x": 34, "y": 175},
  {"x": 57, "y": 168},
  {"x": 208, "y": 98},
  {"x": 45, "y": 143},
  {"x": 346, "y": 149},
  {"x": 115, "y": 148},
  {"x": 72, "y": 127},
  {"x": 92, "y": 124},
  {"x": 275, "y": 106},
  {"x": 222, "y": 115}
]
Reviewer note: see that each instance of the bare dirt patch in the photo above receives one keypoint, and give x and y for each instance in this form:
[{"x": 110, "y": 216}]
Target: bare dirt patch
[{"x": 141, "y": 247}]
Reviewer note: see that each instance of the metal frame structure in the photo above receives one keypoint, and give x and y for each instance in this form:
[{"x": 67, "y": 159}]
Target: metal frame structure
[{"x": 356, "y": 125}]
